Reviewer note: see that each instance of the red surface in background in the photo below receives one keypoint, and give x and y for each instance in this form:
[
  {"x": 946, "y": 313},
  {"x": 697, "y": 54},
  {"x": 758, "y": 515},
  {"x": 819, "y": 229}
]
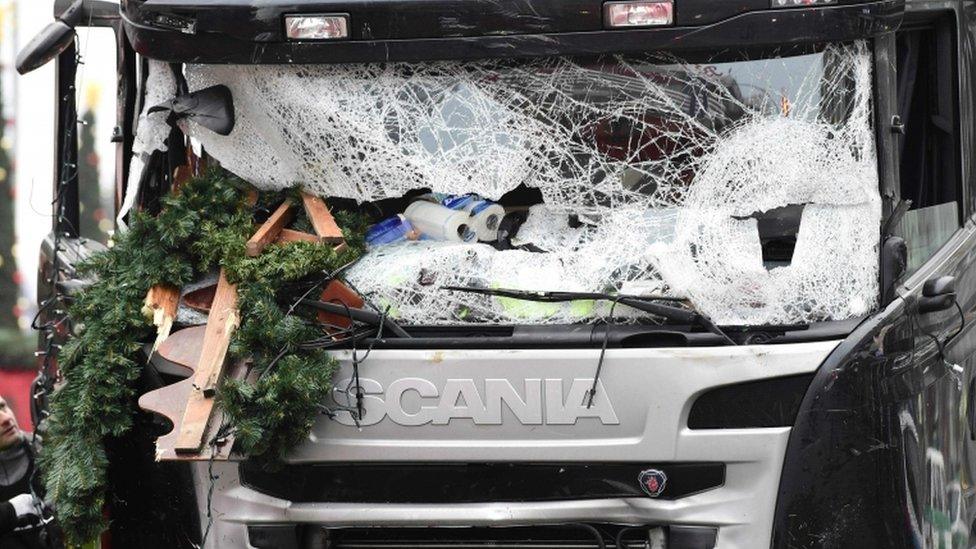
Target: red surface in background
[{"x": 15, "y": 389}]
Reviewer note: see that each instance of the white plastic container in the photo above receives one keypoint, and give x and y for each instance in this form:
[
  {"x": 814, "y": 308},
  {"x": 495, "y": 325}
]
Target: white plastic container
[
  {"x": 485, "y": 214},
  {"x": 438, "y": 222},
  {"x": 485, "y": 217}
]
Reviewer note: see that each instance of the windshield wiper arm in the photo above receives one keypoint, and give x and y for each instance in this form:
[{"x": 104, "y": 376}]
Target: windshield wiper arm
[
  {"x": 361, "y": 315},
  {"x": 642, "y": 303}
]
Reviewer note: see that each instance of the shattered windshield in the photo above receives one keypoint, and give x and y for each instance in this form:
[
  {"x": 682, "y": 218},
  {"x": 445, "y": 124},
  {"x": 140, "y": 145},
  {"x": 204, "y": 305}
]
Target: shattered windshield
[{"x": 748, "y": 186}]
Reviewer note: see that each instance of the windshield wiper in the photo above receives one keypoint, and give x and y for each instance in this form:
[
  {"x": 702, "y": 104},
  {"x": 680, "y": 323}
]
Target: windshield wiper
[
  {"x": 642, "y": 303},
  {"x": 362, "y": 315}
]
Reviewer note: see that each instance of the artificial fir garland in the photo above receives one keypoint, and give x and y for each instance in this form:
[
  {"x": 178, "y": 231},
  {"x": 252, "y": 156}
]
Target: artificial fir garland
[{"x": 202, "y": 227}]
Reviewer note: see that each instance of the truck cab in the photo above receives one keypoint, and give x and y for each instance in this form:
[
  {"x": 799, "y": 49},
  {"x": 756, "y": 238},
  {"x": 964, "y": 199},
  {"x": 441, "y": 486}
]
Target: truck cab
[{"x": 798, "y": 173}]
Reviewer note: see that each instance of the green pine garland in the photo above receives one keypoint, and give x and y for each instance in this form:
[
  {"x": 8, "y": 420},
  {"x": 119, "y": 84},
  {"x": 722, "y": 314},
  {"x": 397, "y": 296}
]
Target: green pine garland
[{"x": 203, "y": 227}]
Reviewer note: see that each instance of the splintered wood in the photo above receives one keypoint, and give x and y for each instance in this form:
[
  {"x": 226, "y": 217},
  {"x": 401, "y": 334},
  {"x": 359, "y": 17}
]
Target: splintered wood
[{"x": 161, "y": 303}]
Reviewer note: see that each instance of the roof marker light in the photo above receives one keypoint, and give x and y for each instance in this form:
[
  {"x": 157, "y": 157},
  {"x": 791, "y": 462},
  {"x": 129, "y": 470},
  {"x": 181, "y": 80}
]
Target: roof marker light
[
  {"x": 332, "y": 26},
  {"x": 638, "y": 14}
]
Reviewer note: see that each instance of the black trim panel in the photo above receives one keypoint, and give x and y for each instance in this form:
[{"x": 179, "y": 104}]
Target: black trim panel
[
  {"x": 770, "y": 402},
  {"x": 474, "y": 482},
  {"x": 550, "y": 536}
]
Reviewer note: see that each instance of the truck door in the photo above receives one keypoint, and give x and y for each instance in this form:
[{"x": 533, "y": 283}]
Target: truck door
[{"x": 936, "y": 422}]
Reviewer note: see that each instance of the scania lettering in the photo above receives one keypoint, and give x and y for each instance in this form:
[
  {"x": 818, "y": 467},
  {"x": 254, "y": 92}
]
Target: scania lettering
[{"x": 461, "y": 399}]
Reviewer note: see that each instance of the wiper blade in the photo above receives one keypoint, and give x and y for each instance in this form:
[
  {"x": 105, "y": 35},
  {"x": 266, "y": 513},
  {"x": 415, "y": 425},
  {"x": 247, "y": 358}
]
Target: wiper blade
[
  {"x": 362, "y": 315},
  {"x": 642, "y": 303}
]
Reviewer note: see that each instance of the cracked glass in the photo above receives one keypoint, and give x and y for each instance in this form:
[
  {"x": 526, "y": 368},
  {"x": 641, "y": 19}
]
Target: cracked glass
[{"x": 656, "y": 175}]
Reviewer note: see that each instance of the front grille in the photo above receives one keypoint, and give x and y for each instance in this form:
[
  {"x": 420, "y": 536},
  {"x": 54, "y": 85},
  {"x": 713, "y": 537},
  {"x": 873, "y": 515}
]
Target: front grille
[{"x": 475, "y": 482}]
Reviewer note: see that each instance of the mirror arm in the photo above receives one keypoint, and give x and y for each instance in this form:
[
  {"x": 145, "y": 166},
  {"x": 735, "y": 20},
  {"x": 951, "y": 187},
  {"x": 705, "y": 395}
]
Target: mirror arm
[{"x": 90, "y": 13}]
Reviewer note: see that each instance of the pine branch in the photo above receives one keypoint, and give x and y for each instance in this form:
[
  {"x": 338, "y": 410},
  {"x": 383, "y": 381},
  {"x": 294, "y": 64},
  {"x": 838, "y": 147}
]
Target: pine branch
[{"x": 203, "y": 227}]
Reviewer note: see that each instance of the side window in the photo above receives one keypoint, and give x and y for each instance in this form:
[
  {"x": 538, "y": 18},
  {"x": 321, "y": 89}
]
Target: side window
[
  {"x": 927, "y": 105},
  {"x": 96, "y": 103}
]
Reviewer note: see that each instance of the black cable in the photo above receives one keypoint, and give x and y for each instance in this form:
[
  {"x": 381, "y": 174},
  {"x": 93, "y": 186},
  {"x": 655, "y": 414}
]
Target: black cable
[
  {"x": 603, "y": 351},
  {"x": 290, "y": 311},
  {"x": 329, "y": 341},
  {"x": 222, "y": 432},
  {"x": 356, "y": 412},
  {"x": 210, "y": 491},
  {"x": 355, "y": 369},
  {"x": 933, "y": 337},
  {"x": 962, "y": 318},
  {"x": 356, "y": 361}
]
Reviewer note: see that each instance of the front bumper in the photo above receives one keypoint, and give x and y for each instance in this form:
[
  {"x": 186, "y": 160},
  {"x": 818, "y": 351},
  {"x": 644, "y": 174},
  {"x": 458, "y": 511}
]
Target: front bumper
[{"x": 651, "y": 428}]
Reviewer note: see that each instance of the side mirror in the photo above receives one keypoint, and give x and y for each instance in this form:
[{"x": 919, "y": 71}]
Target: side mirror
[
  {"x": 57, "y": 36},
  {"x": 50, "y": 42},
  {"x": 938, "y": 294}
]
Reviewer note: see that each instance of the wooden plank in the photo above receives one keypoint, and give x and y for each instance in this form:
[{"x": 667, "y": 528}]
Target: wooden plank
[
  {"x": 161, "y": 303},
  {"x": 322, "y": 221},
  {"x": 288, "y": 235},
  {"x": 221, "y": 324},
  {"x": 196, "y": 419},
  {"x": 270, "y": 230}
]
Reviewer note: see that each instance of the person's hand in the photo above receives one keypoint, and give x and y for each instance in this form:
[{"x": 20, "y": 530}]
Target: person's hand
[{"x": 26, "y": 505}]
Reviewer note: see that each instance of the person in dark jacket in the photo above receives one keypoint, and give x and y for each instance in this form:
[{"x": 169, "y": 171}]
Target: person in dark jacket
[{"x": 21, "y": 511}]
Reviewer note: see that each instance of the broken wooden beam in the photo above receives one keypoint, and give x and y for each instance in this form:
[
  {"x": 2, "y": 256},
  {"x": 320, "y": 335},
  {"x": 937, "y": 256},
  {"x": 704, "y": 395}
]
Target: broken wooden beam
[
  {"x": 321, "y": 218},
  {"x": 270, "y": 230}
]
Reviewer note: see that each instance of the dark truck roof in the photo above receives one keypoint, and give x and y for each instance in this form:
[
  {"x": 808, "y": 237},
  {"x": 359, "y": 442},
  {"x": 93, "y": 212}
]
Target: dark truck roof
[{"x": 252, "y": 31}]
